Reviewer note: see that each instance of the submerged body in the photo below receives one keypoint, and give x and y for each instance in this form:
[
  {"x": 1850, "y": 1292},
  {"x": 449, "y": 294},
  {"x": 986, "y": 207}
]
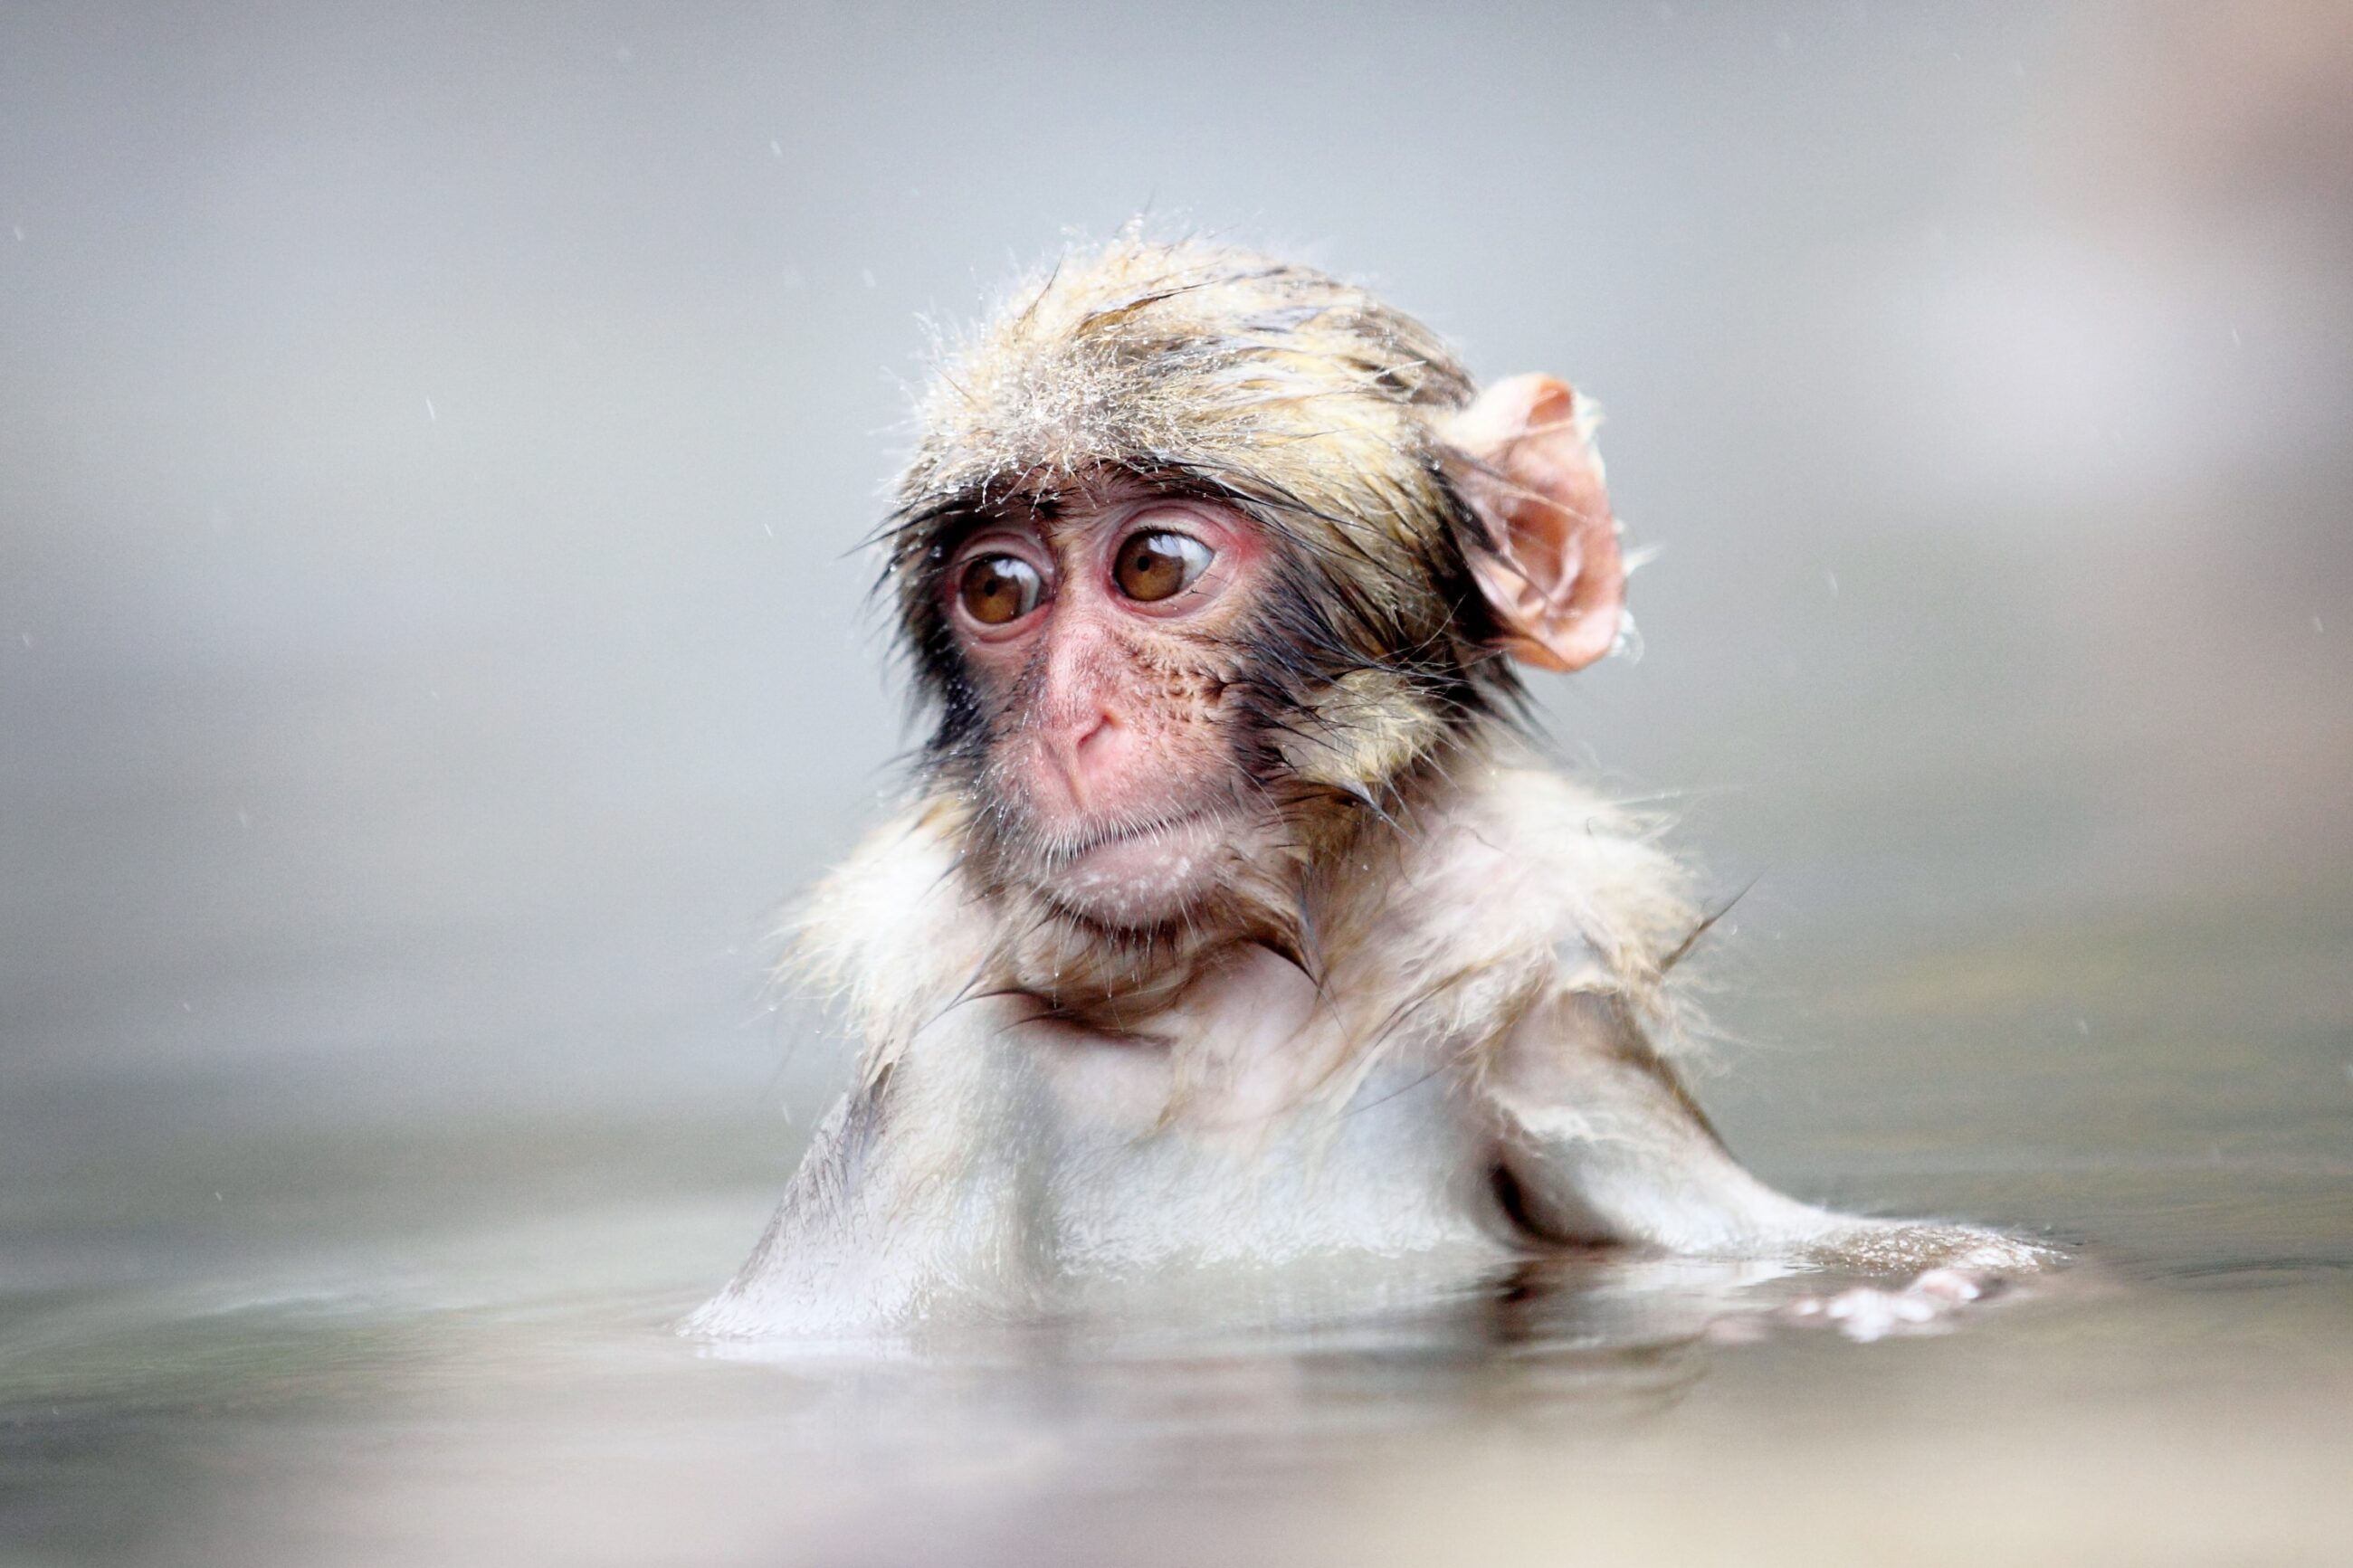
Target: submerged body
[
  {"x": 1231, "y": 927},
  {"x": 1000, "y": 1161}
]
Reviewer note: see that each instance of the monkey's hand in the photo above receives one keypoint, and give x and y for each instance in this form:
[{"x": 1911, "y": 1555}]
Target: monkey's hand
[
  {"x": 1867, "y": 1312},
  {"x": 1942, "y": 1269}
]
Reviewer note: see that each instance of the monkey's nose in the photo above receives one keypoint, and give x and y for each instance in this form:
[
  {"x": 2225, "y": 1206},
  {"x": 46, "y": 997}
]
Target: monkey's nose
[{"x": 1084, "y": 752}]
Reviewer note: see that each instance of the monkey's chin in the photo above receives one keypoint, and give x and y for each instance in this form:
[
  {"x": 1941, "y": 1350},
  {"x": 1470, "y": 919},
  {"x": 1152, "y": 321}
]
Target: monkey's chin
[{"x": 1134, "y": 881}]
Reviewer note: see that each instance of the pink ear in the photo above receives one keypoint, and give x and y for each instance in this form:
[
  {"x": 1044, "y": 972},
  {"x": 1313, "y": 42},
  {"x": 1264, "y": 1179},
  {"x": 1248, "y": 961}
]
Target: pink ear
[{"x": 1552, "y": 576}]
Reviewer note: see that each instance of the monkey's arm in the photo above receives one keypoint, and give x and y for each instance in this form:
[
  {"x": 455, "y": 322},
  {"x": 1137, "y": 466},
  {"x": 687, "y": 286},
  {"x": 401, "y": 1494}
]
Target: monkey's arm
[
  {"x": 1602, "y": 1143},
  {"x": 910, "y": 1202}
]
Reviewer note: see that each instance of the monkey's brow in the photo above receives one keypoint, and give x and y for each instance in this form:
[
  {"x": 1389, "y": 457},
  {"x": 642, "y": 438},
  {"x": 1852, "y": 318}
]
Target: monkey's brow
[
  {"x": 942, "y": 523},
  {"x": 908, "y": 537}
]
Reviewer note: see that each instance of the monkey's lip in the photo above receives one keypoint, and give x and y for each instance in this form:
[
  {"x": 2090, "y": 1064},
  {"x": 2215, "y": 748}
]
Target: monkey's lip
[{"x": 1156, "y": 828}]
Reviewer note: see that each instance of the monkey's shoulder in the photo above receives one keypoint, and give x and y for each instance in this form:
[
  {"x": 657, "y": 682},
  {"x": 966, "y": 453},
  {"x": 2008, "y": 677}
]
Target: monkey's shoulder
[
  {"x": 1525, "y": 865},
  {"x": 891, "y": 934}
]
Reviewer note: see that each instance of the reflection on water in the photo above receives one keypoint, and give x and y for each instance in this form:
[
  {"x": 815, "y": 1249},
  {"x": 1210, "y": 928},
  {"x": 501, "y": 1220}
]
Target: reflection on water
[{"x": 485, "y": 1370}]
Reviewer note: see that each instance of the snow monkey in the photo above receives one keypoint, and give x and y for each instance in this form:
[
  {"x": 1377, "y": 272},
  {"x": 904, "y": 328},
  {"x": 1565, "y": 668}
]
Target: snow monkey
[{"x": 1234, "y": 921}]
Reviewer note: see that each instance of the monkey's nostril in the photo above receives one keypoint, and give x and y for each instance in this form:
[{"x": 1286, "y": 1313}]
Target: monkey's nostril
[{"x": 1089, "y": 734}]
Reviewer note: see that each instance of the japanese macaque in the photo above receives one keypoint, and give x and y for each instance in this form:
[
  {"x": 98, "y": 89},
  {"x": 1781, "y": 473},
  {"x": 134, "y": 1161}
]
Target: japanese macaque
[{"x": 1235, "y": 922}]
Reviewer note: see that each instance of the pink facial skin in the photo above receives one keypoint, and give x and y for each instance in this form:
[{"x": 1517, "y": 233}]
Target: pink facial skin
[{"x": 1116, "y": 743}]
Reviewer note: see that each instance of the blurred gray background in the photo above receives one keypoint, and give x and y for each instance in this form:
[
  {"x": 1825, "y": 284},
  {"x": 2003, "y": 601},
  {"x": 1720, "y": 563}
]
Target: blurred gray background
[
  {"x": 433, "y": 443},
  {"x": 433, "y": 440}
]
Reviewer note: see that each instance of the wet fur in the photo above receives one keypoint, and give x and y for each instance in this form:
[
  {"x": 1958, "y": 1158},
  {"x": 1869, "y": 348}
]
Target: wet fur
[{"x": 1479, "y": 1014}]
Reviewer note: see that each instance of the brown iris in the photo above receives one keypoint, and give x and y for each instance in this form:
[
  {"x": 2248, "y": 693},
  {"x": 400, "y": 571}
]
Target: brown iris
[
  {"x": 1152, "y": 567},
  {"x": 998, "y": 589}
]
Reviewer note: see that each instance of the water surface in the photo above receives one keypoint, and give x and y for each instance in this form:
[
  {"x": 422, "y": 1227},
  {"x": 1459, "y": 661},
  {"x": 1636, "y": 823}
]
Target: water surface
[{"x": 356, "y": 1344}]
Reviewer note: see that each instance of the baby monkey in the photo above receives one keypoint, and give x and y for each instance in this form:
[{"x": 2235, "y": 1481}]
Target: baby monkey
[{"x": 1232, "y": 924}]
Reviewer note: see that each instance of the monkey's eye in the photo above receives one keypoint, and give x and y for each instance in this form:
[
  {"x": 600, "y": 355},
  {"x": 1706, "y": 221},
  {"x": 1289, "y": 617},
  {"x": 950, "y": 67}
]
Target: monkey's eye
[
  {"x": 1155, "y": 565},
  {"x": 999, "y": 589}
]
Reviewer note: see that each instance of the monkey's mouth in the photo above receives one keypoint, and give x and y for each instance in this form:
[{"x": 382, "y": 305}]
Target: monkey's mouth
[{"x": 1139, "y": 874}]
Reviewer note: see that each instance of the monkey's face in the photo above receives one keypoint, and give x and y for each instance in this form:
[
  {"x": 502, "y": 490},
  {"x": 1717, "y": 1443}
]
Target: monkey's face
[{"x": 1098, "y": 636}]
